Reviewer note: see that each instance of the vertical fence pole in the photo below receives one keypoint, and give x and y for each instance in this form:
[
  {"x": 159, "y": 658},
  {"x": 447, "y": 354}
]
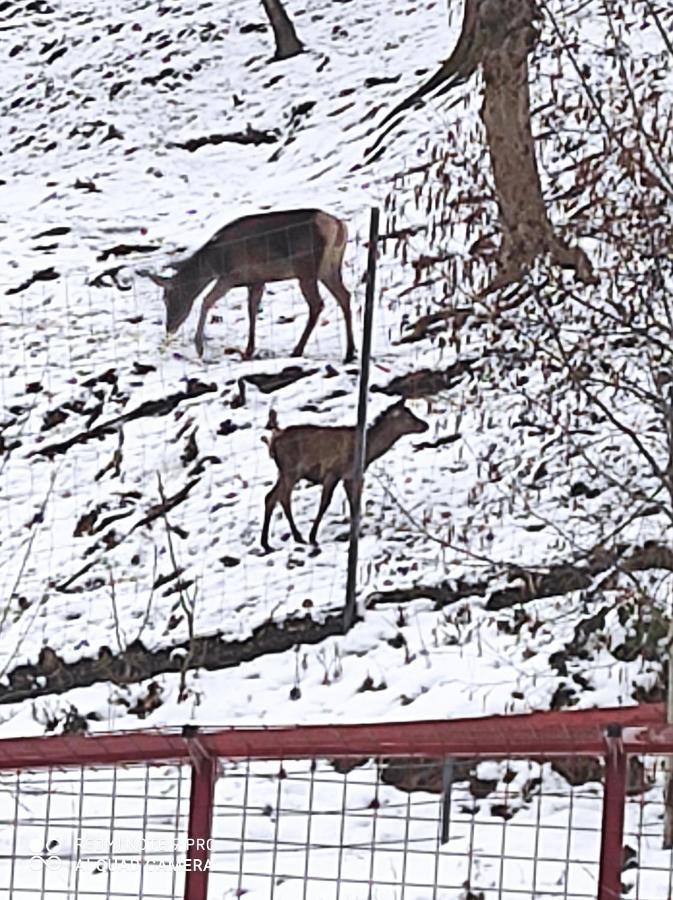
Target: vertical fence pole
[
  {"x": 668, "y": 770},
  {"x": 447, "y": 782},
  {"x": 360, "y": 432},
  {"x": 199, "y": 831},
  {"x": 614, "y": 798}
]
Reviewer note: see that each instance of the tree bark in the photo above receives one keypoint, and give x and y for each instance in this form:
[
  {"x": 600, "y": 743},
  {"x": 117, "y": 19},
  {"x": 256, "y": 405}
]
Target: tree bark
[
  {"x": 535, "y": 583},
  {"x": 498, "y": 36},
  {"x": 526, "y": 230},
  {"x": 287, "y": 42}
]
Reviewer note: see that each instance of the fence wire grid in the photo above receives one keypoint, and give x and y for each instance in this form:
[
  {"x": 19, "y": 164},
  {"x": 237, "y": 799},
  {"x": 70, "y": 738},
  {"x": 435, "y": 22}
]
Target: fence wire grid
[
  {"x": 102, "y": 419},
  {"x": 494, "y": 817},
  {"x": 302, "y": 829}
]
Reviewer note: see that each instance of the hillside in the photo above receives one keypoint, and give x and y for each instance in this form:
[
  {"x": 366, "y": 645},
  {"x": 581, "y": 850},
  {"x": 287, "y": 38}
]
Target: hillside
[{"x": 119, "y": 156}]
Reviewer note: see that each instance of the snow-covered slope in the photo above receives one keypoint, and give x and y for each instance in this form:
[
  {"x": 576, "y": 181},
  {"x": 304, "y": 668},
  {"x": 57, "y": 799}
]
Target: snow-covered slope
[{"x": 101, "y": 102}]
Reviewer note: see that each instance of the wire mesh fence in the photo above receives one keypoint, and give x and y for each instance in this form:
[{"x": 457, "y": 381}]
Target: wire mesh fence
[
  {"x": 308, "y": 830},
  {"x": 133, "y": 493},
  {"x": 647, "y": 863},
  {"x": 515, "y": 808},
  {"x": 94, "y": 832},
  {"x": 136, "y": 473}
]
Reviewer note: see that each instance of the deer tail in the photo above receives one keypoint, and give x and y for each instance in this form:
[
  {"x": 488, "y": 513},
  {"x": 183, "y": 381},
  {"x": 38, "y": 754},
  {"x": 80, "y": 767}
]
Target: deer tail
[
  {"x": 271, "y": 440},
  {"x": 341, "y": 236},
  {"x": 335, "y": 235}
]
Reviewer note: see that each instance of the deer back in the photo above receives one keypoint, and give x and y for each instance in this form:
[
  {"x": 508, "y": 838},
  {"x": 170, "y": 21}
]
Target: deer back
[
  {"x": 313, "y": 452},
  {"x": 271, "y": 246}
]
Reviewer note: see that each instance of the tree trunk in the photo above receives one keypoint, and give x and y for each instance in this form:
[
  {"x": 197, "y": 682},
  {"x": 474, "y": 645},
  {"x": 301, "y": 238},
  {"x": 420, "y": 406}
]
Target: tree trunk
[
  {"x": 497, "y": 36},
  {"x": 287, "y": 42},
  {"x": 526, "y": 230}
]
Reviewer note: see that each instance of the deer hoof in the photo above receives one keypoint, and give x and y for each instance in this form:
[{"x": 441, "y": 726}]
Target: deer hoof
[{"x": 350, "y": 356}]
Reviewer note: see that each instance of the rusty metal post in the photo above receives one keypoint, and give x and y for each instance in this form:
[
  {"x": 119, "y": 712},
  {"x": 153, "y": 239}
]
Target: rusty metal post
[
  {"x": 614, "y": 798},
  {"x": 199, "y": 829},
  {"x": 361, "y": 433},
  {"x": 668, "y": 765}
]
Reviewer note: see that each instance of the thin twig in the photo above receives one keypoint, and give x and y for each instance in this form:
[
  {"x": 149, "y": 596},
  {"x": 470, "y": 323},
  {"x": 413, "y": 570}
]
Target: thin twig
[
  {"x": 26, "y": 555},
  {"x": 186, "y": 604}
]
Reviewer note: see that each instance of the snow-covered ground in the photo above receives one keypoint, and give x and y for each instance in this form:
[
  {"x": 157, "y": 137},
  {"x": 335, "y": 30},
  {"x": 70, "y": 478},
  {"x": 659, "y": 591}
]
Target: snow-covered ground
[{"x": 97, "y": 99}]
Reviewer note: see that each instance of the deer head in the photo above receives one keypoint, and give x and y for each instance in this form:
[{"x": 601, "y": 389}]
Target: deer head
[
  {"x": 406, "y": 422},
  {"x": 177, "y": 297}
]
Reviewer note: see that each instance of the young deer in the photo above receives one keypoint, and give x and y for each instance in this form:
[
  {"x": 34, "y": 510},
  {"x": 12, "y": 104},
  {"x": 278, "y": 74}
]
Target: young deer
[
  {"x": 326, "y": 456},
  {"x": 306, "y": 244}
]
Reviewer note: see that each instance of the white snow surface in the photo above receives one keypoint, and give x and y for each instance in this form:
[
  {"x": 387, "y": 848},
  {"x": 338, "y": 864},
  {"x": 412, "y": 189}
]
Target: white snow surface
[
  {"x": 96, "y": 97},
  {"x": 430, "y": 514}
]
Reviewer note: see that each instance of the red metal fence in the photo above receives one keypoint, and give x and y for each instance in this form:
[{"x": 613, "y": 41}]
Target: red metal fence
[{"x": 561, "y": 804}]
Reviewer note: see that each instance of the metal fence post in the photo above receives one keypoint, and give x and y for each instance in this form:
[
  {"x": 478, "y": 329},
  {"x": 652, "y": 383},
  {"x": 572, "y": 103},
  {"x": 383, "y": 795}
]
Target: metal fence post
[
  {"x": 447, "y": 782},
  {"x": 360, "y": 433},
  {"x": 668, "y": 784},
  {"x": 199, "y": 830},
  {"x": 612, "y": 832}
]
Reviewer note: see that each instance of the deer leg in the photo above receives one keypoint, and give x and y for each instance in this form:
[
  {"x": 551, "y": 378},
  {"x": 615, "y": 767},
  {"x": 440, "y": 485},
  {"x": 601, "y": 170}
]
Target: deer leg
[
  {"x": 336, "y": 287},
  {"x": 325, "y": 498},
  {"x": 350, "y": 493},
  {"x": 255, "y": 292},
  {"x": 279, "y": 493},
  {"x": 269, "y": 503},
  {"x": 219, "y": 289},
  {"x": 286, "y": 503},
  {"x": 309, "y": 288}
]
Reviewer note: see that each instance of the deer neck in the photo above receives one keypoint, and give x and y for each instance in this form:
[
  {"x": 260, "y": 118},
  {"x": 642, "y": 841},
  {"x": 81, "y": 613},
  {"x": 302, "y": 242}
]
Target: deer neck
[
  {"x": 380, "y": 438},
  {"x": 194, "y": 274}
]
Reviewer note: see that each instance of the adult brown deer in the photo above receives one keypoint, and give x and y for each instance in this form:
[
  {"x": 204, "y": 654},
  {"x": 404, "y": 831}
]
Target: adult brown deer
[
  {"x": 306, "y": 244},
  {"x": 325, "y": 456}
]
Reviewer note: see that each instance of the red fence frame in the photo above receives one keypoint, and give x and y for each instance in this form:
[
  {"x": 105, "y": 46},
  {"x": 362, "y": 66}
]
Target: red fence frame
[{"x": 612, "y": 733}]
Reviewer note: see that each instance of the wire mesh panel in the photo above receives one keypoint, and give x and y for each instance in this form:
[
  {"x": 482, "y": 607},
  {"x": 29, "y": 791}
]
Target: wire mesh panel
[
  {"x": 140, "y": 471},
  {"x": 647, "y": 864},
  {"x": 500, "y": 808},
  {"x": 357, "y": 830},
  {"x": 86, "y": 833}
]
